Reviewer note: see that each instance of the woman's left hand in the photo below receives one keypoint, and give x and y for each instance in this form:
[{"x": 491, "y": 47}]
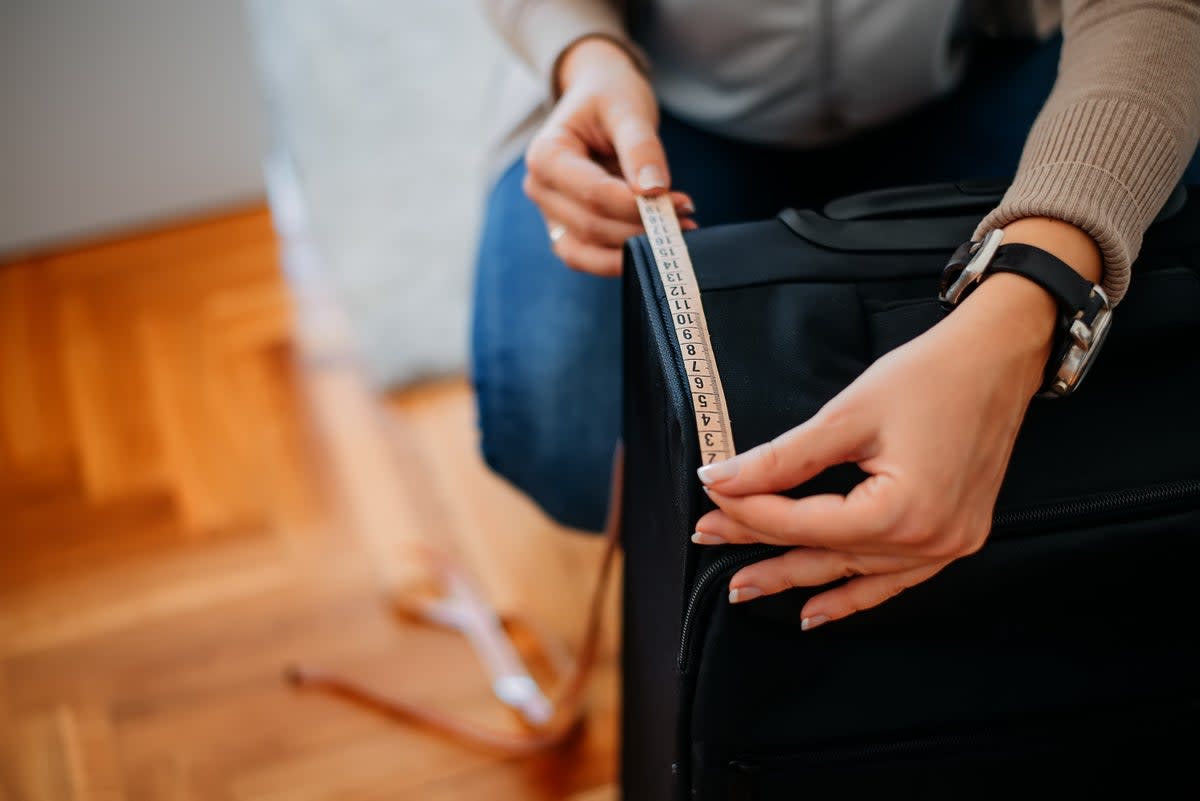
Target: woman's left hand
[{"x": 932, "y": 424}]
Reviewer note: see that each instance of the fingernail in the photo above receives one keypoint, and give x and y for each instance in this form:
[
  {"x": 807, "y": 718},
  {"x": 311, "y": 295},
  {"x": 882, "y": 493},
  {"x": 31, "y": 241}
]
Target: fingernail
[
  {"x": 687, "y": 207},
  {"x": 812, "y": 622},
  {"x": 718, "y": 471},
  {"x": 651, "y": 177},
  {"x": 700, "y": 538},
  {"x": 744, "y": 594}
]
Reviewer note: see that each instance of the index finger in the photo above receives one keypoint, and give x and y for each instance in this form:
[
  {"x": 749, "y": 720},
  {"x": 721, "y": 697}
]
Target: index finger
[
  {"x": 858, "y": 522},
  {"x": 639, "y": 150}
]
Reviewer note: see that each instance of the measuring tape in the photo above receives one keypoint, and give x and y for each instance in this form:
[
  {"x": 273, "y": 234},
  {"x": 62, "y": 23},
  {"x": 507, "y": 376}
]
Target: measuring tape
[{"x": 691, "y": 329}]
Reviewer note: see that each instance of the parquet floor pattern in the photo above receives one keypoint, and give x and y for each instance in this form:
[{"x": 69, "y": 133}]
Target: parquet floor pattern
[{"x": 191, "y": 497}]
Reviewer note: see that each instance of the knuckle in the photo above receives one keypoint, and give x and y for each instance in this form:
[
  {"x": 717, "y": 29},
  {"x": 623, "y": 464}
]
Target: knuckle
[
  {"x": 539, "y": 156},
  {"x": 837, "y": 413},
  {"x": 589, "y": 229},
  {"x": 895, "y": 518},
  {"x": 971, "y": 539},
  {"x": 950, "y": 542},
  {"x": 612, "y": 264},
  {"x": 535, "y": 157},
  {"x": 852, "y": 565},
  {"x": 892, "y": 519},
  {"x": 915, "y": 520},
  {"x": 971, "y": 546},
  {"x": 911, "y": 535},
  {"x": 786, "y": 576},
  {"x": 859, "y": 600},
  {"x": 586, "y": 261},
  {"x": 942, "y": 548},
  {"x": 530, "y": 186},
  {"x": 769, "y": 455},
  {"x": 593, "y": 196},
  {"x": 865, "y": 597},
  {"x": 634, "y": 132}
]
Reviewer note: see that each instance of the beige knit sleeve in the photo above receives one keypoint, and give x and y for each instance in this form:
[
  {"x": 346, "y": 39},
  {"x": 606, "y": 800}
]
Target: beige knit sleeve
[
  {"x": 540, "y": 31},
  {"x": 1118, "y": 129}
]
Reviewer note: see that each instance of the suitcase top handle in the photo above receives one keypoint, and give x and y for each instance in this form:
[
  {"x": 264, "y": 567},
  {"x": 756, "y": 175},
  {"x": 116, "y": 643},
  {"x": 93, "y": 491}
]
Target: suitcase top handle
[
  {"x": 929, "y": 217},
  {"x": 949, "y": 199}
]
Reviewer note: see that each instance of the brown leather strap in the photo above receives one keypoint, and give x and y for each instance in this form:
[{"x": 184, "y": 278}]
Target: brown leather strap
[{"x": 464, "y": 609}]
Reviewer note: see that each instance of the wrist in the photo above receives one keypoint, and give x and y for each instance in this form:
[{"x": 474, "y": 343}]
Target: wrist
[
  {"x": 1008, "y": 323},
  {"x": 1010, "y": 319},
  {"x": 590, "y": 54}
]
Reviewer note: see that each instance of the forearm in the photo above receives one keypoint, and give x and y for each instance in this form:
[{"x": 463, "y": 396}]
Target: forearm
[
  {"x": 1118, "y": 129},
  {"x": 540, "y": 32}
]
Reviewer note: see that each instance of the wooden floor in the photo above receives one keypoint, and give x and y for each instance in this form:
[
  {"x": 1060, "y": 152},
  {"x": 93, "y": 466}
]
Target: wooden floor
[{"x": 192, "y": 497}]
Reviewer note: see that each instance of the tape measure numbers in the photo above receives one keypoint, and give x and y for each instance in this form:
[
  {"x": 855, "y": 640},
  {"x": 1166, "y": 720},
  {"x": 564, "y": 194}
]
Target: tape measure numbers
[{"x": 682, "y": 291}]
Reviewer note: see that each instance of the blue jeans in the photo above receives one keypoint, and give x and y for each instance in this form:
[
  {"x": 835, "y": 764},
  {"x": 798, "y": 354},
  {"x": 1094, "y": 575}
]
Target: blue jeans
[{"x": 546, "y": 339}]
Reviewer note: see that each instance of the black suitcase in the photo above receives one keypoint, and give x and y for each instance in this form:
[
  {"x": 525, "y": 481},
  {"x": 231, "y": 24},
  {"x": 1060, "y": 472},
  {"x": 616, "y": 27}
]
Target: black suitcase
[{"x": 1061, "y": 657}]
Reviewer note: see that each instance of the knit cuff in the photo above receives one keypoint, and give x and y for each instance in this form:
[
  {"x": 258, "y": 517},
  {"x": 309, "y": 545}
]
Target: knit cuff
[
  {"x": 548, "y": 29},
  {"x": 1105, "y": 165}
]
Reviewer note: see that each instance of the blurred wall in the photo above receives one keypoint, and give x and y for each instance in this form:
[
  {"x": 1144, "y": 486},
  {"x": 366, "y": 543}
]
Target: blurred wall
[{"x": 119, "y": 113}]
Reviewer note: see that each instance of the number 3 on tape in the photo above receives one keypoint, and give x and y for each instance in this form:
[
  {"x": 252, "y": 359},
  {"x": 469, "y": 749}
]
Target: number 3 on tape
[{"x": 682, "y": 294}]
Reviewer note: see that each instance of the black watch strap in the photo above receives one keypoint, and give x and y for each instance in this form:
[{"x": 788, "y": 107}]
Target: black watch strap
[{"x": 1070, "y": 290}]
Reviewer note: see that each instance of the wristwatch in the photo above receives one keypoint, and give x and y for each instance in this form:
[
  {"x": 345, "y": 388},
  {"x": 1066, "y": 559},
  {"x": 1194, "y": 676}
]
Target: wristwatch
[{"x": 1085, "y": 314}]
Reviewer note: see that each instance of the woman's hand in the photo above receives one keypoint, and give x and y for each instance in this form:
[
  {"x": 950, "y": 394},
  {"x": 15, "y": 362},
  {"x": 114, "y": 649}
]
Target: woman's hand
[
  {"x": 599, "y": 146},
  {"x": 932, "y": 424}
]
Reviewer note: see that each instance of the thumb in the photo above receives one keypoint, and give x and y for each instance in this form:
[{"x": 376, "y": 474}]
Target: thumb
[
  {"x": 639, "y": 150},
  {"x": 793, "y": 457}
]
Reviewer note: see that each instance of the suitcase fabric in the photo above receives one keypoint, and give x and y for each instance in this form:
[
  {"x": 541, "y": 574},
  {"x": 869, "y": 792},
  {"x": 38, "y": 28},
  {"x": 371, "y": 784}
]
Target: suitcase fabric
[{"x": 1062, "y": 656}]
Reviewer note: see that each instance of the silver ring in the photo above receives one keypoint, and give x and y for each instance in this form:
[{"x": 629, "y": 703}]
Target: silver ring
[{"x": 557, "y": 232}]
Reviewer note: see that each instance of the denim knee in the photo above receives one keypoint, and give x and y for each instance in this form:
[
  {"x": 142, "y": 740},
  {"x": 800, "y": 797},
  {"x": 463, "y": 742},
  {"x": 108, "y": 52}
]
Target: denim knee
[
  {"x": 545, "y": 363},
  {"x": 566, "y": 477}
]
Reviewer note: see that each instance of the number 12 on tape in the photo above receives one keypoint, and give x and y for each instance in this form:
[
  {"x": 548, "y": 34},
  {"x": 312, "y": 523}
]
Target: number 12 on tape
[{"x": 682, "y": 294}]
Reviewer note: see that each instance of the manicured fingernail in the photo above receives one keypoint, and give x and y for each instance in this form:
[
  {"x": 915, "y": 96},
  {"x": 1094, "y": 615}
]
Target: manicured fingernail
[
  {"x": 744, "y": 594},
  {"x": 651, "y": 177},
  {"x": 718, "y": 471},
  {"x": 700, "y": 538},
  {"x": 812, "y": 622}
]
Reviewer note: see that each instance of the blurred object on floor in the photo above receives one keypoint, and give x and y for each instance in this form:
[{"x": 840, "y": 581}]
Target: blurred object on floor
[
  {"x": 187, "y": 506},
  {"x": 378, "y": 107}
]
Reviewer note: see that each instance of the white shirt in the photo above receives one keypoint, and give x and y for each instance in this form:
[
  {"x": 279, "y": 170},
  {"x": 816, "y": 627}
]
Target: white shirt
[{"x": 800, "y": 72}]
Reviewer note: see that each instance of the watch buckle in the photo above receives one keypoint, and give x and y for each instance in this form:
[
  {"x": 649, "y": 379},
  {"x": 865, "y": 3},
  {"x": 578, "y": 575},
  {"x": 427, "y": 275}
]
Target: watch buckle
[
  {"x": 972, "y": 274},
  {"x": 1086, "y": 339},
  {"x": 1081, "y": 333}
]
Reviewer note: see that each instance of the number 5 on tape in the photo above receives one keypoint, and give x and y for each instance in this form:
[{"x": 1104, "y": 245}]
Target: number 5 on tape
[{"x": 682, "y": 294}]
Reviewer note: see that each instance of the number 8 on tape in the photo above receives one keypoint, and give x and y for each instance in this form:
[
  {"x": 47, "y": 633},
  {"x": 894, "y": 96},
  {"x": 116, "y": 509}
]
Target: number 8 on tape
[{"x": 691, "y": 329}]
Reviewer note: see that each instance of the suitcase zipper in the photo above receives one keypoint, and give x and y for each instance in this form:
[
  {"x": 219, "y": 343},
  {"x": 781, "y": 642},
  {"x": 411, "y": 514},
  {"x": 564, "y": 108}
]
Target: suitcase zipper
[
  {"x": 722, "y": 564},
  {"x": 1119, "y": 500}
]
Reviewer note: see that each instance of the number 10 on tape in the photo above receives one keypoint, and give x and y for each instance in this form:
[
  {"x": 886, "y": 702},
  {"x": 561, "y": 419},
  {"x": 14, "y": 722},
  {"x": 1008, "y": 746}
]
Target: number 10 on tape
[{"x": 691, "y": 329}]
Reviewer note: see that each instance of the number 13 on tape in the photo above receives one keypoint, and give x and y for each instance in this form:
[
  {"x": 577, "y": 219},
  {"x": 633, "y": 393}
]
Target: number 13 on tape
[{"x": 691, "y": 329}]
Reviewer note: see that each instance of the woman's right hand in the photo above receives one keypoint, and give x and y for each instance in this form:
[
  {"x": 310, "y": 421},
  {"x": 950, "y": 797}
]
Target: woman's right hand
[{"x": 597, "y": 149}]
